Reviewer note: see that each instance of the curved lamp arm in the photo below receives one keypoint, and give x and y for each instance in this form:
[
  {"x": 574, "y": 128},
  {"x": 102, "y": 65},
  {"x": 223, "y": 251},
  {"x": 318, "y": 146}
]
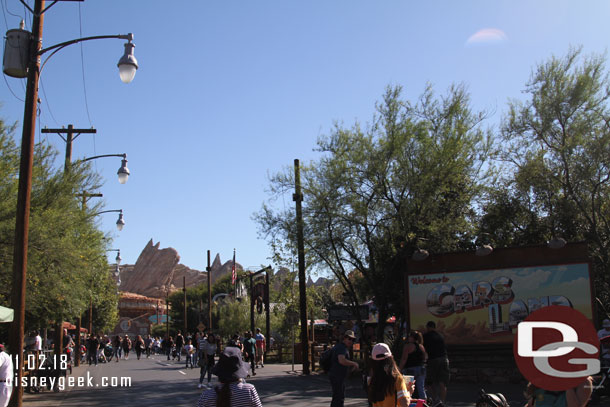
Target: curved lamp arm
[
  {"x": 128, "y": 64},
  {"x": 123, "y": 172},
  {"x": 128, "y": 37},
  {"x": 119, "y": 223},
  {"x": 118, "y": 255}
]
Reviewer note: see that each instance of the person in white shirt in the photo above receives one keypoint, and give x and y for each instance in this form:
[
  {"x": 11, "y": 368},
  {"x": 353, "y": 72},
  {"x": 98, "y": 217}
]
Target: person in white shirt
[
  {"x": 37, "y": 341},
  {"x": 605, "y": 348},
  {"x": 6, "y": 377},
  {"x": 190, "y": 353}
]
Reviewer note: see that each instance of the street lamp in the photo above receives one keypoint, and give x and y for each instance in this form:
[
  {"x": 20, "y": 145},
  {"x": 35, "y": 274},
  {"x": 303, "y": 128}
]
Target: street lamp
[
  {"x": 117, "y": 270},
  {"x": 128, "y": 63},
  {"x": 119, "y": 223},
  {"x": 22, "y": 54},
  {"x": 123, "y": 172},
  {"x": 71, "y": 135},
  {"x": 118, "y": 257}
]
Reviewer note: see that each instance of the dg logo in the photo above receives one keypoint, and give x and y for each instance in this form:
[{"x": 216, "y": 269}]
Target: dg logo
[{"x": 556, "y": 348}]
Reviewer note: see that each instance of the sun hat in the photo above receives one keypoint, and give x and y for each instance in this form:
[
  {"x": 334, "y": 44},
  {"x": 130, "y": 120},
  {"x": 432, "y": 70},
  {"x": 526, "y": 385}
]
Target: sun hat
[
  {"x": 606, "y": 323},
  {"x": 381, "y": 351},
  {"x": 230, "y": 366},
  {"x": 350, "y": 334}
]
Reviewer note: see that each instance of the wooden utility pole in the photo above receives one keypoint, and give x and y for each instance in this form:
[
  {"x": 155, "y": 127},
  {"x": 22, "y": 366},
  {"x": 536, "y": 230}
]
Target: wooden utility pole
[
  {"x": 24, "y": 192},
  {"x": 184, "y": 291},
  {"x": 71, "y": 135},
  {"x": 297, "y": 197},
  {"x": 267, "y": 312},
  {"x": 209, "y": 270},
  {"x": 167, "y": 312}
]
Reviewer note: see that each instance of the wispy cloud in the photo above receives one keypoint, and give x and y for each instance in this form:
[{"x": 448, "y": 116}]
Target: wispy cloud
[{"x": 487, "y": 36}]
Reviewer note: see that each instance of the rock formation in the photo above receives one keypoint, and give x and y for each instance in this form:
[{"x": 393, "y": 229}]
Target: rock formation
[{"x": 158, "y": 270}]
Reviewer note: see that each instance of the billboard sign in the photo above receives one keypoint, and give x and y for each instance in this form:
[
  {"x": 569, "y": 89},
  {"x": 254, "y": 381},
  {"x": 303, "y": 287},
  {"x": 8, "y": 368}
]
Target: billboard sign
[{"x": 485, "y": 306}]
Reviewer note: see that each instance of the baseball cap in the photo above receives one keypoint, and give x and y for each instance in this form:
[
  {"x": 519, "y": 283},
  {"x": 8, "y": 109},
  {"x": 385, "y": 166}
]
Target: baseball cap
[
  {"x": 350, "y": 334},
  {"x": 606, "y": 323},
  {"x": 381, "y": 351}
]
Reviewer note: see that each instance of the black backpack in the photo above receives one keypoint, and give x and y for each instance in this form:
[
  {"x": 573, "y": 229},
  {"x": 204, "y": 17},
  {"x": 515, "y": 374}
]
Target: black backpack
[{"x": 326, "y": 359}]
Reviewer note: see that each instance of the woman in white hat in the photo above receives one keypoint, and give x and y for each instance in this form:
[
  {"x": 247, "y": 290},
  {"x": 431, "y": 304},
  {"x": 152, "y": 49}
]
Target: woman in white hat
[
  {"x": 387, "y": 387},
  {"x": 233, "y": 392}
]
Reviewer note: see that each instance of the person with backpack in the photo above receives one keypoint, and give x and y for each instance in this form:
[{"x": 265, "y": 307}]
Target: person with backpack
[{"x": 340, "y": 365}]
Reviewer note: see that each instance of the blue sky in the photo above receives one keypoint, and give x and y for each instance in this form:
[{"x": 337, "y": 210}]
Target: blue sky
[{"x": 231, "y": 91}]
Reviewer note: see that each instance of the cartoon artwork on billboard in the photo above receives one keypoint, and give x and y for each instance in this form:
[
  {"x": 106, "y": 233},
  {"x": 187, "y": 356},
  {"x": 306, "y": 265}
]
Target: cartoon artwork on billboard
[{"x": 485, "y": 306}]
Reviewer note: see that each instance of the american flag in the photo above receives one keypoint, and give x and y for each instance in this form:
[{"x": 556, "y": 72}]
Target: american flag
[{"x": 233, "y": 273}]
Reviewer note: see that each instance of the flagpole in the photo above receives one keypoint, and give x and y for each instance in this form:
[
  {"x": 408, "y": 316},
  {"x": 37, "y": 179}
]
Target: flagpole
[{"x": 234, "y": 277}]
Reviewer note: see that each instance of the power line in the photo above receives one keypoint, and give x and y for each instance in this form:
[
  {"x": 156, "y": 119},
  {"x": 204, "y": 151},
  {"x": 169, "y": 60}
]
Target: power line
[
  {"x": 82, "y": 64},
  {"x": 46, "y": 100}
]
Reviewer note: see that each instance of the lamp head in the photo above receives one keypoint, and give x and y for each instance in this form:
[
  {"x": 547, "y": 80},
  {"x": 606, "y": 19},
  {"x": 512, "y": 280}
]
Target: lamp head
[
  {"x": 556, "y": 243},
  {"x": 123, "y": 172},
  {"x": 484, "y": 250},
  {"x": 118, "y": 257},
  {"x": 420, "y": 255},
  {"x": 121, "y": 222},
  {"x": 128, "y": 64}
]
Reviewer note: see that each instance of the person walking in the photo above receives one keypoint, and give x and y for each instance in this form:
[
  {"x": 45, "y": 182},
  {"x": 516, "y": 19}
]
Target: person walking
[
  {"x": 250, "y": 351},
  {"x": 437, "y": 372},
  {"x": 6, "y": 377},
  {"x": 116, "y": 348},
  {"x": 126, "y": 346},
  {"x": 138, "y": 346},
  {"x": 260, "y": 348},
  {"x": 101, "y": 356},
  {"x": 339, "y": 368},
  {"x": 386, "y": 385},
  {"x": 148, "y": 343},
  {"x": 207, "y": 351},
  {"x": 413, "y": 362},
  {"x": 189, "y": 349},
  {"x": 179, "y": 344},
  {"x": 92, "y": 347},
  {"x": 232, "y": 391},
  {"x": 169, "y": 345}
]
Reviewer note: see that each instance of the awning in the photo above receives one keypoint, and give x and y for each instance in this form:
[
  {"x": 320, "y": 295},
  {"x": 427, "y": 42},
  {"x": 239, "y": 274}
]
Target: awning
[
  {"x": 6, "y": 314},
  {"x": 67, "y": 325}
]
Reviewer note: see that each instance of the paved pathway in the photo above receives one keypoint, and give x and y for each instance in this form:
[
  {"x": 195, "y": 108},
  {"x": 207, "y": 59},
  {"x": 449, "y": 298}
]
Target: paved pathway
[{"x": 158, "y": 382}]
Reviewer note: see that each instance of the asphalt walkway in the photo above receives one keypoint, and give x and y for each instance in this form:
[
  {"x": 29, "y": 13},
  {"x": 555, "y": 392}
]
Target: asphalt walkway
[{"x": 158, "y": 382}]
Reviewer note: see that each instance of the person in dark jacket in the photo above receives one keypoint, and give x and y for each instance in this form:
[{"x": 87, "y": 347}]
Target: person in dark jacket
[
  {"x": 339, "y": 368},
  {"x": 437, "y": 370}
]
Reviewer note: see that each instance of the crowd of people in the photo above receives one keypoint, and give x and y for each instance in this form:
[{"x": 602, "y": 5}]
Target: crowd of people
[
  {"x": 421, "y": 373},
  {"x": 424, "y": 358}
]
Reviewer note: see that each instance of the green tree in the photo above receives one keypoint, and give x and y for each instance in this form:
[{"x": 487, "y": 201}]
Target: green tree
[
  {"x": 197, "y": 304},
  {"x": 287, "y": 301},
  {"x": 557, "y": 145},
  {"x": 375, "y": 194},
  {"x": 66, "y": 254}
]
